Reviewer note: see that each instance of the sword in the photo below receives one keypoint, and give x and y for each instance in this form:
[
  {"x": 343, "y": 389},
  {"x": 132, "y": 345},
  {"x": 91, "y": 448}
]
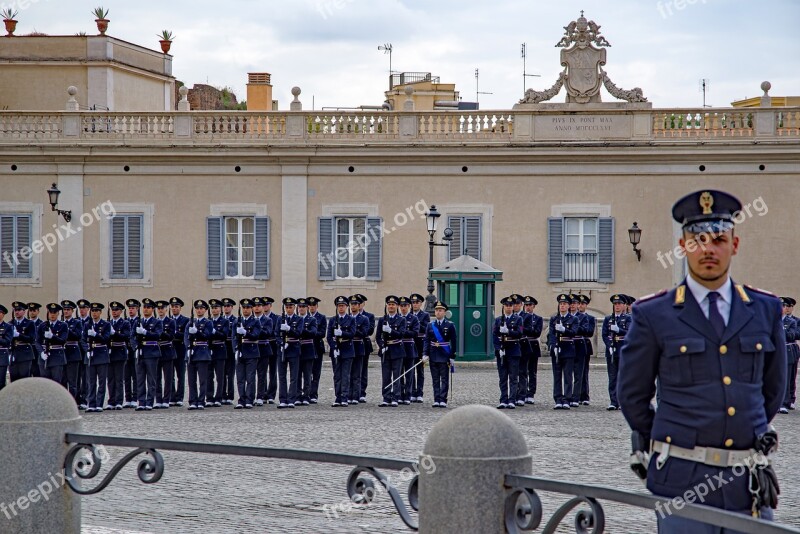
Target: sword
[
  {"x": 404, "y": 374},
  {"x": 452, "y": 380}
]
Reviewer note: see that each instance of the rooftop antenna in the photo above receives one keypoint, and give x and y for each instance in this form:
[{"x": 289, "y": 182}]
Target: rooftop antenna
[
  {"x": 477, "y": 87},
  {"x": 704, "y": 84},
  {"x": 524, "y": 73},
  {"x": 387, "y": 49}
]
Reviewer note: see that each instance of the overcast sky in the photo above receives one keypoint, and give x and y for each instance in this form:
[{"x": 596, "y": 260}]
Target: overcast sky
[{"x": 330, "y": 47}]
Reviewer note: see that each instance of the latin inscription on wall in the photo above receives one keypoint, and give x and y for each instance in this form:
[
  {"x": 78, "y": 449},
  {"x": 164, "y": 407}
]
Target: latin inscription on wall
[{"x": 577, "y": 127}]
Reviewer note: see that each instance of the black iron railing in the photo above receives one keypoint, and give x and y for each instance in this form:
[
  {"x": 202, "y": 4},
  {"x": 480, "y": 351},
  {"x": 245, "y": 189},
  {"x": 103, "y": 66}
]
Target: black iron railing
[{"x": 580, "y": 267}]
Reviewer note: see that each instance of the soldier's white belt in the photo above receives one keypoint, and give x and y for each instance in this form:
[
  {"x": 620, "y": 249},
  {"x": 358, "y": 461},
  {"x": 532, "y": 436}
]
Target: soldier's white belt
[
  {"x": 704, "y": 455},
  {"x": 394, "y": 342},
  {"x": 56, "y": 347},
  {"x": 72, "y": 343},
  {"x": 442, "y": 344},
  {"x": 150, "y": 343},
  {"x": 117, "y": 343}
]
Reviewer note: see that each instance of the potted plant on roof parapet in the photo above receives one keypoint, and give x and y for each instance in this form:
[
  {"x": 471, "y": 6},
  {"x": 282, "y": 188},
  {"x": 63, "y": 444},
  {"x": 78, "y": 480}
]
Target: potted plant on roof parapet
[
  {"x": 9, "y": 20},
  {"x": 102, "y": 22},
  {"x": 166, "y": 40}
]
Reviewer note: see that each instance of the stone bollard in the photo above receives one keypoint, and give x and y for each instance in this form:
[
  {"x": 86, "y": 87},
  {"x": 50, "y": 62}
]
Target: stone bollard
[
  {"x": 472, "y": 448},
  {"x": 35, "y": 413}
]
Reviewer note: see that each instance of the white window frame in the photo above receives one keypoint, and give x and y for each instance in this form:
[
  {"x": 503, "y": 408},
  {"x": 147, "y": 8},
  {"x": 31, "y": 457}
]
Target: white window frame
[
  {"x": 238, "y": 210},
  {"x": 147, "y": 211},
  {"x": 239, "y": 246},
  {"x": 352, "y": 246},
  {"x": 587, "y": 211},
  {"x": 486, "y": 211},
  {"x": 35, "y": 211},
  {"x": 350, "y": 210}
]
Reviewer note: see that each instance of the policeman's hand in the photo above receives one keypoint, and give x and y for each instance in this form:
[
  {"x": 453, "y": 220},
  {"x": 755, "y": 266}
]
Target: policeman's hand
[
  {"x": 560, "y": 328},
  {"x": 386, "y": 328},
  {"x": 213, "y": 331},
  {"x": 44, "y": 356},
  {"x": 241, "y": 331},
  {"x": 614, "y": 328},
  {"x": 425, "y": 358},
  {"x": 452, "y": 362},
  {"x": 285, "y": 327},
  {"x": 337, "y": 331},
  {"x": 192, "y": 329},
  {"x": 92, "y": 333},
  {"x": 335, "y": 353},
  {"x": 112, "y": 331},
  {"x": 48, "y": 334},
  {"x": 16, "y": 334},
  {"x": 504, "y": 329},
  {"x": 502, "y": 353},
  {"x": 140, "y": 330},
  {"x": 555, "y": 352},
  {"x": 639, "y": 462}
]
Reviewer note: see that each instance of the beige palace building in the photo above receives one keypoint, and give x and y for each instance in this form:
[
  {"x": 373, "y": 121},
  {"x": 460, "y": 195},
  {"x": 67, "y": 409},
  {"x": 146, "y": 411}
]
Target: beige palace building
[{"x": 287, "y": 203}]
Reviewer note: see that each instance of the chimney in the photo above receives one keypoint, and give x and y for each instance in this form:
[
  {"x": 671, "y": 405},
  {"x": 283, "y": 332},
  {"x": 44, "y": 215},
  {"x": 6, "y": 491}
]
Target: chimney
[{"x": 259, "y": 91}]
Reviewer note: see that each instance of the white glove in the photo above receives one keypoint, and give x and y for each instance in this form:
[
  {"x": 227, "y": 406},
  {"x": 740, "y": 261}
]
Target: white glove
[
  {"x": 14, "y": 328},
  {"x": 611, "y": 351},
  {"x": 614, "y": 328},
  {"x": 192, "y": 329},
  {"x": 337, "y": 331},
  {"x": 44, "y": 356},
  {"x": 425, "y": 358},
  {"x": 48, "y": 334},
  {"x": 560, "y": 328},
  {"x": 504, "y": 329},
  {"x": 335, "y": 353},
  {"x": 386, "y": 328},
  {"x": 92, "y": 333},
  {"x": 285, "y": 327},
  {"x": 241, "y": 331},
  {"x": 140, "y": 330},
  {"x": 452, "y": 361},
  {"x": 555, "y": 352},
  {"x": 502, "y": 353},
  {"x": 112, "y": 331},
  {"x": 213, "y": 331}
]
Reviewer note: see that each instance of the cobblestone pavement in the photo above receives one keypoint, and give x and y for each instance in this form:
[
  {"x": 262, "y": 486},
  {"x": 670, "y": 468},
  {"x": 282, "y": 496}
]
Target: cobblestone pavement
[{"x": 210, "y": 494}]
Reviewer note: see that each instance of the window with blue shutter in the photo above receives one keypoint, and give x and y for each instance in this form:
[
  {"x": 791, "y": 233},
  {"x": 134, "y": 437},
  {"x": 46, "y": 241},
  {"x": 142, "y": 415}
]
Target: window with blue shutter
[
  {"x": 326, "y": 258},
  {"x": 127, "y": 246},
  {"x": 467, "y": 239},
  {"x": 214, "y": 252},
  {"x": 350, "y": 248},
  {"x": 580, "y": 249},
  {"x": 555, "y": 249},
  {"x": 238, "y": 247},
  {"x": 15, "y": 235},
  {"x": 374, "y": 244},
  {"x": 605, "y": 249}
]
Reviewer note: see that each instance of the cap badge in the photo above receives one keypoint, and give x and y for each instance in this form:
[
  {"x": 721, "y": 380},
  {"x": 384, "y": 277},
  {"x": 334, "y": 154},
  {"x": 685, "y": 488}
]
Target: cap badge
[{"x": 706, "y": 201}]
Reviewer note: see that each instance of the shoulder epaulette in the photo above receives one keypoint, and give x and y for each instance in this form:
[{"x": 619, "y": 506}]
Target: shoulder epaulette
[
  {"x": 650, "y": 296},
  {"x": 751, "y": 288}
]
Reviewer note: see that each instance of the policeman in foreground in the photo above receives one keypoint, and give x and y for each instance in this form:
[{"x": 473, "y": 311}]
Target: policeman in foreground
[{"x": 718, "y": 351}]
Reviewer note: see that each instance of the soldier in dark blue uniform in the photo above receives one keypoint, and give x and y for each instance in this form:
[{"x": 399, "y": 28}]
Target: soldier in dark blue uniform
[
  {"x": 274, "y": 365},
  {"x": 197, "y": 339},
  {"x": 563, "y": 328},
  {"x": 23, "y": 346},
  {"x": 229, "y": 380},
  {"x": 390, "y": 331},
  {"x": 341, "y": 331},
  {"x": 33, "y": 315},
  {"x": 362, "y": 393},
  {"x": 418, "y": 381},
  {"x": 219, "y": 355},
  {"x": 264, "y": 349},
  {"x": 85, "y": 318},
  {"x": 506, "y": 336},
  {"x": 439, "y": 351},
  {"x": 359, "y": 348},
  {"x": 245, "y": 346},
  {"x": 291, "y": 328},
  {"x": 97, "y": 335},
  {"x": 718, "y": 351},
  {"x": 792, "y": 378},
  {"x": 792, "y": 331},
  {"x": 615, "y": 326},
  {"x": 166, "y": 364},
  {"x": 120, "y": 337},
  {"x": 409, "y": 344},
  {"x": 580, "y": 360},
  {"x": 178, "y": 387},
  {"x": 129, "y": 370},
  {"x": 147, "y": 336},
  {"x": 319, "y": 347},
  {"x": 525, "y": 350},
  {"x": 6, "y": 339},
  {"x": 589, "y": 327},
  {"x": 51, "y": 337},
  {"x": 72, "y": 348},
  {"x": 308, "y": 353},
  {"x": 532, "y": 331}
]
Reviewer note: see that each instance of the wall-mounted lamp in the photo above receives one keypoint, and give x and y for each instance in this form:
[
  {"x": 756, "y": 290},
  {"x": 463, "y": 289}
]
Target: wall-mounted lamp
[
  {"x": 635, "y": 235},
  {"x": 53, "y": 193}
]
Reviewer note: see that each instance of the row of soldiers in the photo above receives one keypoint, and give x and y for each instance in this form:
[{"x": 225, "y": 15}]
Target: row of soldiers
[{"x": 144, "y": 358}]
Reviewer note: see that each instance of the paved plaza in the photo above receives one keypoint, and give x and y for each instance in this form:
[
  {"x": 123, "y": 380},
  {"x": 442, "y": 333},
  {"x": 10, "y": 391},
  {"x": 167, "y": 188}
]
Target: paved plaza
[{"x": 210, "y": 493}]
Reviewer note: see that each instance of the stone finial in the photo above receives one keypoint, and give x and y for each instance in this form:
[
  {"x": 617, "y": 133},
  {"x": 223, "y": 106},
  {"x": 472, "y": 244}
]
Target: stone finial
[
  {"x": 766, "y": 100},
  {"x": 183, "y": 104},
  {"x": 766, "y": 86},
  {"x": 72, "y": 103},
  {"x": 408, "y": 105},
  {"x": 296, "y": 105}
]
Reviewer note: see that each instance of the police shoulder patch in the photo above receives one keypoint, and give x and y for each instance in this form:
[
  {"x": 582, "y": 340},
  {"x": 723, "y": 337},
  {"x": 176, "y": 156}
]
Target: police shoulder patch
[
  {"x": 650, "y": 296},
  {"x": 751, "y": 288}
]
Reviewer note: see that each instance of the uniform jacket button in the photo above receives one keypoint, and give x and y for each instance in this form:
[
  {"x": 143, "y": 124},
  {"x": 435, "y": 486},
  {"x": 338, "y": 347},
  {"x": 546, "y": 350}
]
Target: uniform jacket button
[
  {"x": 729, "y": 442},
  {"x": 731, "y": 411},
  {"x": 723, "y": 349},
  {"x": 726, "y": 380}
]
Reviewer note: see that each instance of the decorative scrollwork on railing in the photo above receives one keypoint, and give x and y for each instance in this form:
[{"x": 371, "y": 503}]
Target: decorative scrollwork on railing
[
  {"x": 523, "y": 513},
  {"x": 149, "y": 470},
  {"x": 362, "y": 491},
  {"x": 522, "y": 516}
]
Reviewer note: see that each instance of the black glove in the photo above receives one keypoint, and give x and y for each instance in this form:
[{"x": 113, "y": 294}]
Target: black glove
[
  {"x": 768, "y": 488},
  {"x": 640, "y": 455}
]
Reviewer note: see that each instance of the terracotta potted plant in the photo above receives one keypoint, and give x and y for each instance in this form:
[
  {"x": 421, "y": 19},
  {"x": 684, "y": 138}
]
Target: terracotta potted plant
[
  {"x": 166, "y": 39},
  {"x": 101, "y": 20},
  {"x": 9, "y": 20}
]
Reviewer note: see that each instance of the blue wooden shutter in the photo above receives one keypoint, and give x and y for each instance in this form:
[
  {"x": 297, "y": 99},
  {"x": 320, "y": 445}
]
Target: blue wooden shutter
[
  {"x": 117, "y": 247},
  {"x": 214, "y": 251},
  {"x": 24, "y": 232},
  {"x": 7, "y": 259},
  {"x": 472, "y": 237},
  {"x": 605, "y": 249},
  {"x": 555, "y": 249},
  {"x": 262, "y": 248},
  {"x": 456, "y": 247},
  {"x": 135, "y": 246},
  {"x": 326, "y": 258},
  {"x": 374, "y": 248}
]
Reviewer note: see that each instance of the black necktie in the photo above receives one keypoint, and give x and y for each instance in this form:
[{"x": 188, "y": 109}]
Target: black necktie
[{"x": 713, "y": 314}]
